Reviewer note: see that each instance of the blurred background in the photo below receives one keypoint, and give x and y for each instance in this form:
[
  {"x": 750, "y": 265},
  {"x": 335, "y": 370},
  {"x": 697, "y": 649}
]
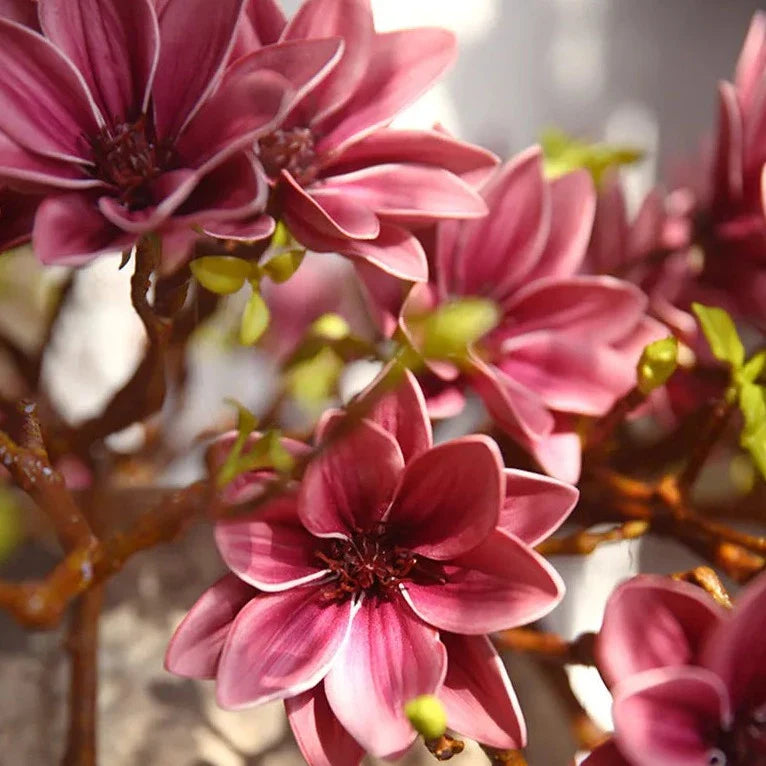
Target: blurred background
[{"x": 644, "y": 73}]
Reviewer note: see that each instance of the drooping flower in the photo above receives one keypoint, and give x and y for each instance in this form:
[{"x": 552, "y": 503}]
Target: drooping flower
[
  {"x": 688, "y": 678},
  {"x": 124, "y": 116},
  {"x": 375, "y": 582},
  {"x": 343, "y": 181},
  {"x": 566, "y": 344}
]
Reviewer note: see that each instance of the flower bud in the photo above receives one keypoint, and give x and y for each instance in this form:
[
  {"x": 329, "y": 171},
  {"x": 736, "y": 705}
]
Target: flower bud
[
  {"x": 657, "y": 363},
  {"x": 427, "y": 716}
]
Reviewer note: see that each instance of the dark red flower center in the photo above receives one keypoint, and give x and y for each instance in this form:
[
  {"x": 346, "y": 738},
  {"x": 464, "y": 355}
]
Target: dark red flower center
[
  {"x": 744, "y": 744},
  {"x": 130, "y": 158},
  {"x": 291, "y": 150},
  {"x": 370, "y": 563}
]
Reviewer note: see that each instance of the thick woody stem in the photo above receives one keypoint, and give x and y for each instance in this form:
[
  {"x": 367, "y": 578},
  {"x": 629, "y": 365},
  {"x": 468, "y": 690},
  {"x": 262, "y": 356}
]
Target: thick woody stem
[{"x": 708, "y": 580}]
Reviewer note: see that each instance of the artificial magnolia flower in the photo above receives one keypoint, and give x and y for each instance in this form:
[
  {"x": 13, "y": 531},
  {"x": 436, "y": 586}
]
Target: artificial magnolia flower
[
  {"x": 377, "y": 581},
  {"x": 124, "y": 116},
  {"x": 566, "y": 343},
  {"x": 342, "y": 180},
  {"x": 688, "y": 678}
]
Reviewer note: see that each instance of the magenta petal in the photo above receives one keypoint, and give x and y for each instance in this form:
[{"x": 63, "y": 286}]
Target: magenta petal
[
  {"x": 402, "y": 66},
  {"x": 573, "y": 206},
  {"x": 727, "y": 168},
  {"x": 558, "y": 453},
  {"x": 586, "y": 306},
  {"x": 180, "y": 88},
  {"x": 653, "y": 622},
  {"x": 17, "y": 214},
  {"x": 280, "y": 645},
  {"x": 568, "y": 374},
  {"x": 752, "y": 61},
  {"x": 499, "y": 250},
  {"x": 351, "y": 483},
  {"x": 670, "y": 716},
  {"x": 409, "y": 192},
  {"x": 736, "y": 650},
  {"x": 608, "y": 250},
  {"x": 449, "y": 498},
  {"x": 70, "y": 230},
  {"x": 262, "y": 24},
  {"x": 351, "y": 20},
  {"x": 114, "y": 44},
  {"x": 196, "y": 646},
  {"x": 499, "y": 584},
  {"x": 273, "y": 551},
  {"x": 421, "y": 147},
  {"x": 607, "y": 754},
  {"x": 320, "y": 736},
  {"x": 44, "y": 103},
  {"x": 478, "y": 695},
  {"x": 535, "y": 506},
  {"x": 249, "y": 230},
  {"x": 402, "y": 412},
  {"x": 21, "y": 11},
  {"x": 390, "y": 658}
]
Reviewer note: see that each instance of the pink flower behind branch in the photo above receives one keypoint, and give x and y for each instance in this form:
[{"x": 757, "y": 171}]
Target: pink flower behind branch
[
  {"x": 688, "y": 678},
  {"x": 106, "y": 115},
  {"x": 375, "y": 582}
]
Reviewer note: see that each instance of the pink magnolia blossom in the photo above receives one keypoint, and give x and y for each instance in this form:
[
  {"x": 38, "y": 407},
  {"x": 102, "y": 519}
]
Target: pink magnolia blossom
[
  {"x": 688, "y": 678},
  {"x": 566, "y": 343},
  {"x": 343, "y": 181},
  {"x": 736, "y": 220},
  {"x": 126, "y": 119},
  {"x": 376, "y": 581}
]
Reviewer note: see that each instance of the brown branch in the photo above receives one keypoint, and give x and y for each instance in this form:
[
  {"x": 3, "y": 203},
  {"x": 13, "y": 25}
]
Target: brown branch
[
  {"x": 444, "y": 748},
  {"x": 603, "y": 429},
  {"x": 708, "y": 580},
  {"x": 584, "y": 542},
  {"x": 549, "y": 646},
  {"x": 505, "y": 757}
]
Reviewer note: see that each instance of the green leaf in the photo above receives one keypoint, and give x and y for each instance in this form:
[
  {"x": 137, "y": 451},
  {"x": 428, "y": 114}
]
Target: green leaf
[
  {"x": 255, "y": 320},
  {"x": 448, "y": 331},
  {"x": 563, "y": 154},
  {"x": 753, "y": 367},
  {"x": 246, "y": 424},
  {"x": 221, "y": 274},
  {"x": 312, "y": 381},
  {"x": 331, "y": 326},
  {"x": 752, "y": 403},
  {"x": 721, "y": 334},
  {"x": 657, "y": 363},
  {"x": 427, "y": 716},
  {"x": 283, "y": 265}
]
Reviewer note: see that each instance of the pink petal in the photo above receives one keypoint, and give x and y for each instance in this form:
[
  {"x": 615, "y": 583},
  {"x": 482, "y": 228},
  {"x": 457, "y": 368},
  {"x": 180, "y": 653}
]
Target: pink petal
[
  {"x": 499, "y": 584},
  {"x": 17, "y": 214},
  {"x": 402, "y": 413},
  {"x": 318, "y": 732},
  {"x": 752, "y": 60},
  {"x": 262, "y": 24},
  {"x": 21, "y": 11},
  {"x": 421, "y": 147},
  {"x": 281, "y": 644},
  {"x": 255, "y": 93},
  {"x": 608, "y": 250},
  {"x": 449, "y": 498},
  {"x": 196, "y": 646},
  {"x": 568, "y": 374},
  {"x": 558, "y": 453},
  {"x": 444, "y": 401},
  {"x": 350, "y": 20},
  {"x": 179, "y": 89},
  {"x": 736, "y": 652},
  {"x": 394, "y": 251},
  {"x": 478, "y": 695},
  {"x": 409, "y": 192},
  {"x": 249, "y": 230},
  {"x": 351, "y": 483},
  {"x": 390, "y": 658},
  {"x": 384, "y": 295},
  {"x": 535, "y": 506},
  {"x": 573, "y": 206},
  {"x": 114, "y": 44},
  {"x": 653, "y": 622},
  {"x": 70, "y": 230},
  {"x": 607, "y": 754},
  {"x": 727, "y": 169},
  {"x": 334, "y": 214},
  {"x": 586, "y": 306},
  {"x": 512, "y": 406},
  {"x": 402, "y": 66},
  {"x": 499, "y": 250},
  {"x": 670, "y": 716},
  {"x": 44, "y": 103},
  {"x": 272, "y": 551}
]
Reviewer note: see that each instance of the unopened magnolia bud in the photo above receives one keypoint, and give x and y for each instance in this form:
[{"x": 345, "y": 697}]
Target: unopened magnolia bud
[
  {"x": 657, "y": 364},
  {"x": 427, "y": 716}
]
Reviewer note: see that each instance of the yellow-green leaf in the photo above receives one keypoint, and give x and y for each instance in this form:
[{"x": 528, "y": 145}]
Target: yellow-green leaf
[
  {"x": 312, "y": 381},
  {"x": 657, "y": 363},
  {"x": 753, "y": 368},
  {"x": 221, "y": 274},
  {"x": 721, "y": 334},
  {"x": 283, "y": 265},
  {"x": 331, "y": 326},
  {"x": 448, "y": 331},
  {"x": 255, "y": 320},
  {"x": 427, "y": 716}
]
